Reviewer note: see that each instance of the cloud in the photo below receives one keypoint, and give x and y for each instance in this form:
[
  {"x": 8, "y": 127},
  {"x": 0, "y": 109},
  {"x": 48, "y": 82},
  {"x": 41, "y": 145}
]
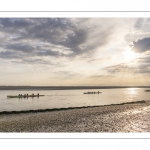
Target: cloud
[
  {"x": 9, "y": 55},
  {"x": 128, "y": 69},
  {"x": 141, "y": 45},
  {"x": 75, "y": 48},
  {"x": 21, "y": 51},
  {"x": 120, "y": 68},
  {"x": 142, "y": 24},
  {"x": 102, "y": 76},
  {"x": 20, "y": 47},
  {"x": 54, "y": 37},
  {"x": 29, "y": 61},
  {"x": 144, "y": 58},
  {"x": 14, "y": 23},
  {"x": 139, "y": 23},
  {"x": 143, "y": 69}
]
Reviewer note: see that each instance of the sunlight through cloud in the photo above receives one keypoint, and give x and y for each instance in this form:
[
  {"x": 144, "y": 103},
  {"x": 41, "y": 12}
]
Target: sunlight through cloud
[{"x": 129, "y": 54}]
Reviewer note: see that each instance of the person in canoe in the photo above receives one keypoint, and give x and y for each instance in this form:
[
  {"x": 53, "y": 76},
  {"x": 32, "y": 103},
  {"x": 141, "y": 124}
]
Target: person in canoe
[
  {"x": 38, "y": 95},
  {"x": 32, "y": 95}
]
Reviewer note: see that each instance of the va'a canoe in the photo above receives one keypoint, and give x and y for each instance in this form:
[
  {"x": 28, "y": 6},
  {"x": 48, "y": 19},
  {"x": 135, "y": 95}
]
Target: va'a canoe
[
  {"x": 17, "y": 96},
  {"x": 92, "y": 92},
  {"x": 147, "y": 90}
]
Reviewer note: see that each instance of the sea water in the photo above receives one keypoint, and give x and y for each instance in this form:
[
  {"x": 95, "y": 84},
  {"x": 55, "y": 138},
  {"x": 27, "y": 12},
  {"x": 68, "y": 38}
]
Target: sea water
[{"x": 69, "y": 98}]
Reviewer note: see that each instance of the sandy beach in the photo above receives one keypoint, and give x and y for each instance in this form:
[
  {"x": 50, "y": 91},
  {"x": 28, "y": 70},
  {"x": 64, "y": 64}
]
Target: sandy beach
[{"x": 113, "y": 118}]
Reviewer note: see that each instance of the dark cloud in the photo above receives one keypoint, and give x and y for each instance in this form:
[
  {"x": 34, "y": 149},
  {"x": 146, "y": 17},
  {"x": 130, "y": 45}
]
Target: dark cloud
[
  {"x": 53, "y": 37},
  {"x": 14, "y": 22},
  {"x": 29, "y": 61},
  {"x": 22, "y": 33},
  {"x": 45, "y": 52},
  {"x": 10, "y": 55},
  {"x": 141, "y": 45},
  {"x": 20, "y": 47},
  {"x": 21, "y": 51},
  {"x": 50, "y": 29}
]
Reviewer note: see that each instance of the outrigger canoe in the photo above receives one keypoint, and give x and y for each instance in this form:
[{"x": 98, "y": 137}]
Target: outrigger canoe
[
  {"x": 92, "y": 92},
  {"x": 10, "y": 96},
  {"x": 147, "y": 90}
]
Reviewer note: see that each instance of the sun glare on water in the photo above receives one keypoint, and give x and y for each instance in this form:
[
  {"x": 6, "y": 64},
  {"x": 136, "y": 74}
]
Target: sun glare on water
[{"x": 129, "y": 54}]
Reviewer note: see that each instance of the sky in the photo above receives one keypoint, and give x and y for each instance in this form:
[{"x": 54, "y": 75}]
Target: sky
[{"x": 75, "y": 51}]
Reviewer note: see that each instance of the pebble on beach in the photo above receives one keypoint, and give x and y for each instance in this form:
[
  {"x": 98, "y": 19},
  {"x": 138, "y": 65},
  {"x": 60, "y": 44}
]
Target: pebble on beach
[{"x": 116, "y": 118}]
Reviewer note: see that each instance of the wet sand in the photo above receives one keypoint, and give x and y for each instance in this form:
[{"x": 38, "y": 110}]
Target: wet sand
[{"x": 132, "y": 117}]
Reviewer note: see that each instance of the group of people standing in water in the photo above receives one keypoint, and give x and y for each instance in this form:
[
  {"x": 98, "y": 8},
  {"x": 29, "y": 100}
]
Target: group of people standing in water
[{"x": 26, "y": 95}]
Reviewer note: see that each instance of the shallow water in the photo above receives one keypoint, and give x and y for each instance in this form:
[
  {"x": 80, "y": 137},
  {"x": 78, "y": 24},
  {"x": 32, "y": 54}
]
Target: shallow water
[{"x": 69, "y": 98}]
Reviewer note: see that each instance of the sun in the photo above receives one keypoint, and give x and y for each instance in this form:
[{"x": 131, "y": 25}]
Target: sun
[{"x": 129, "y": 54}]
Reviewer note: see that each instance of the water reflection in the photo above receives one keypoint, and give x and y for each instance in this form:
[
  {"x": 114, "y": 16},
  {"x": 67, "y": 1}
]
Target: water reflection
[{"x": 131, "y": 93}]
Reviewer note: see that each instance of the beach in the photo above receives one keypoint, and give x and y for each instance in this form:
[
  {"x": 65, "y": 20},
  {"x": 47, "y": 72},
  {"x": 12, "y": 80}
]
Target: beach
[{"x": 130, "y": 117}]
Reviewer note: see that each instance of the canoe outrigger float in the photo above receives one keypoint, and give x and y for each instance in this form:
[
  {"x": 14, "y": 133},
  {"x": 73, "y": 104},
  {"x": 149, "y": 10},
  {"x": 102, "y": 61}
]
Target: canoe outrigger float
[
  {"x": 92, "y": 92},
  {"x": 17, "y": 96}
]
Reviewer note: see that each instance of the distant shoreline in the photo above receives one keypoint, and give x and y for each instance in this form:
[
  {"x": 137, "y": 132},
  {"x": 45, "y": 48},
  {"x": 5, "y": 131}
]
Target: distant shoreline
[{"x": 65, "y": 87}]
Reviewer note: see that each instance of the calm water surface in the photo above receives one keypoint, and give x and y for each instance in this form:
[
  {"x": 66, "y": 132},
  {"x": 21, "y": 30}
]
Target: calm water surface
[{"x": 69, "y": 98}]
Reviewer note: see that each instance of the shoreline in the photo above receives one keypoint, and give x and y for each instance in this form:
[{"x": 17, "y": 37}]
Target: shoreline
[
  {"x": 68, "y": 108},
  {"x": 65, "y": 87},
  {"x": 131, "y": 117}
]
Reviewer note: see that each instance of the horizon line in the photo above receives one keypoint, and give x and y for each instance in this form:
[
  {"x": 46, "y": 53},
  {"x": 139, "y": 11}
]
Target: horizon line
[{"x": 75, "y": 85}]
